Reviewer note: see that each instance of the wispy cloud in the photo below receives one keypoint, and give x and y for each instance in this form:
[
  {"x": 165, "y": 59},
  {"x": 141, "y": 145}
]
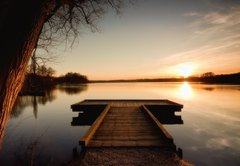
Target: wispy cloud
[
  {"x": 216, "y": 21},
  {"x": 191, "y": 14},
  {"x": 219, "y": 48}
]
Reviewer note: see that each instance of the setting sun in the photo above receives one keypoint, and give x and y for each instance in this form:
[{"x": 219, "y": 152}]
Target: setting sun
[{"x": 185, "y": 70}]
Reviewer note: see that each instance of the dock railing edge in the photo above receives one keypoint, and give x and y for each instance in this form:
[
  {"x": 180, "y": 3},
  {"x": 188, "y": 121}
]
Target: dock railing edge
[
  {"x": 165, "y": 132},
  {"x": 180, "y": 105},
  {"x": 76, "y": 104},
  {"x": 91, "y": 131}
]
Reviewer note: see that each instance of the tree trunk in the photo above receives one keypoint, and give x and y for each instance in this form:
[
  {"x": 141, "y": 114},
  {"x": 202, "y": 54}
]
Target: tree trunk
[
  {"x": 33, "y": 63},
  {"x": 21, "y": 22}
]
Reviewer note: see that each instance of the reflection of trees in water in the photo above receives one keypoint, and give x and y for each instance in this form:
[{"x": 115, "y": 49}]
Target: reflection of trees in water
[
  {"x": 24, "y": 101},
  {"x": 49, "y": 97},
  {"x": 208, "y": 88},
  {"x": 30, "y": 153},
  {"x": 224, "y": 87},
  {"x": 73, "y": 89}
]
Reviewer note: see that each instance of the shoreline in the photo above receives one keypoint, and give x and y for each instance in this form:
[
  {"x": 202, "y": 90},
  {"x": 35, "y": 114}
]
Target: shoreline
[{"x": 140, "y": 156}]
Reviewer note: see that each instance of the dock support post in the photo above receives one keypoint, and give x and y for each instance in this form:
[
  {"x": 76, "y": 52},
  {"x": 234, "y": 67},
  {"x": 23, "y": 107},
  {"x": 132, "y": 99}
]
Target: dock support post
[
  {"x": 180, "y": 153},
  {"x": 83, "y": 147}
]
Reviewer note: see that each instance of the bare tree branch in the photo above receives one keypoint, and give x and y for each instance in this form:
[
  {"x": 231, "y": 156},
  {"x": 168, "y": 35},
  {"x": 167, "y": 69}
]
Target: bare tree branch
[{"x": 67, "y": 16}]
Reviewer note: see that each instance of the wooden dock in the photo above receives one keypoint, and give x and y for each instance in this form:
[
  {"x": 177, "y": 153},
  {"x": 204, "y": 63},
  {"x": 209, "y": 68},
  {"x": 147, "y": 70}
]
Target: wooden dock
[{"x": 127, "y": 123}]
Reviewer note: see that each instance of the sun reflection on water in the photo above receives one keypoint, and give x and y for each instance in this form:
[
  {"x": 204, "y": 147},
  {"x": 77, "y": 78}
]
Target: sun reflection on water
[{"x": 185, "y": 91}]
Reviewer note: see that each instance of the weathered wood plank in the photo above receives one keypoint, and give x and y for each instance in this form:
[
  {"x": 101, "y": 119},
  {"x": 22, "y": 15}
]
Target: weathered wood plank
[
  {"x": 129, "y": 132},
  {"x": 164, "y": 131},
  {"x": 128, "y": 102},
  {"x": 85, "y": 139},
  {"x": 124, "y": 143},
  {"x": 128, "y": 123}
]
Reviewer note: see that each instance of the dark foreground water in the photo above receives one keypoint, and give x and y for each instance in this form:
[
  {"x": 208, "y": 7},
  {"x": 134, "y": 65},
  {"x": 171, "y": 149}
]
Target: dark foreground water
[{"x": 40, "y": 130}]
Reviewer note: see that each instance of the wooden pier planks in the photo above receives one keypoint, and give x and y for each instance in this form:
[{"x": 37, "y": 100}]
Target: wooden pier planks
[
  {"x": 126, "y": 126},
  {"x": 127, "y": 123},
  {"x": 85, "y": 140},
  {"x": 128, "y": 102}
]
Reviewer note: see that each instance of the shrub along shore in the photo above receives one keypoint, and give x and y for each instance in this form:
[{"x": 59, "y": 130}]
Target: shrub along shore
[{"x": 37, "y": 85}]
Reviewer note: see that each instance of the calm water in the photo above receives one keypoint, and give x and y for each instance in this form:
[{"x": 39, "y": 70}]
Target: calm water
[{"x": 210, "y": 134}]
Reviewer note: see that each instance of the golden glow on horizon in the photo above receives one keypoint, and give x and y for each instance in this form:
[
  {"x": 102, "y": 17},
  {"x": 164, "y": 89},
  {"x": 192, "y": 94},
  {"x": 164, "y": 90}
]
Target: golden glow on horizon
[
  {"x": 185, "y": 70},
  {"x": 185, "y": 91},
  {"x": 207, "y": 39}
]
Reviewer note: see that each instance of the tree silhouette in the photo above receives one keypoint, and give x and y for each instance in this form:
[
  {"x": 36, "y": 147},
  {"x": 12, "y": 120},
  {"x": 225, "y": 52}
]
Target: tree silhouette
[
  {"x": 72, "y": 78},
  {"x": 26, "y": 23},
  {"x": 208, "y": 74}
]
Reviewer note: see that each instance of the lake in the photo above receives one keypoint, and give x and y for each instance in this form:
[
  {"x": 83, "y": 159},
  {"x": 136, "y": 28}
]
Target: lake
[{"x": 209, "y": 135}]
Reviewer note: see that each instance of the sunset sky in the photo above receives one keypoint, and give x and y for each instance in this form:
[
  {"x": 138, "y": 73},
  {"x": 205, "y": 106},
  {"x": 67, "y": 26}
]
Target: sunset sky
[{"x": 158, "y": 38}]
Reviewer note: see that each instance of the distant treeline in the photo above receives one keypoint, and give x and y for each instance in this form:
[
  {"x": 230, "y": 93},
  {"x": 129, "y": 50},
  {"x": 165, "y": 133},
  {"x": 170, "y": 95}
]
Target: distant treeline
[
  {"x": 141, "y": 80},
  {"x": 208, "y": 77},
  {"x": 37, "y": 84}
]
